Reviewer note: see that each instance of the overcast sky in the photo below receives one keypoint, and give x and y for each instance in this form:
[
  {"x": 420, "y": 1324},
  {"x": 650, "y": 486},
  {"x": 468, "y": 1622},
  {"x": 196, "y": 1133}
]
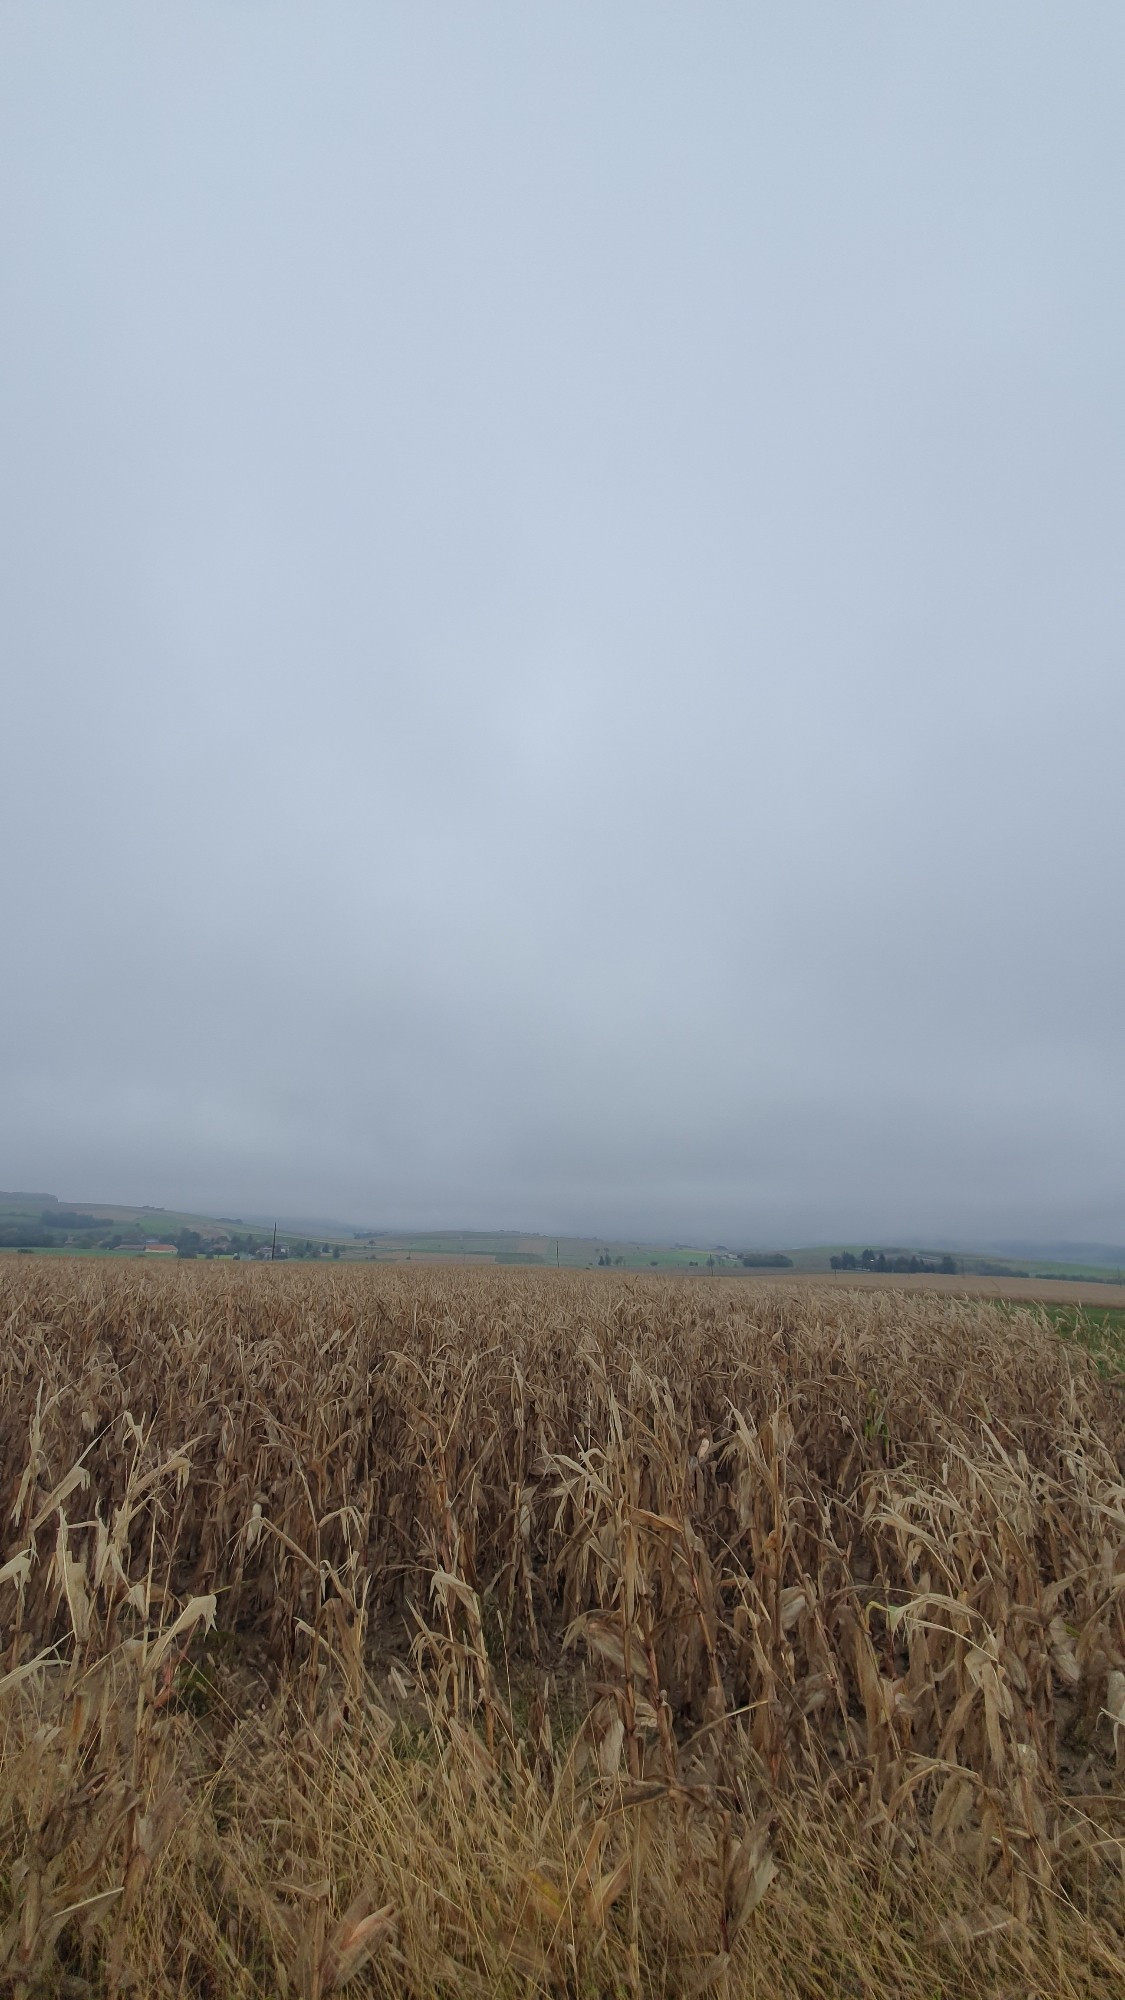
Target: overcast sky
[{"x": 561, "y": 614}]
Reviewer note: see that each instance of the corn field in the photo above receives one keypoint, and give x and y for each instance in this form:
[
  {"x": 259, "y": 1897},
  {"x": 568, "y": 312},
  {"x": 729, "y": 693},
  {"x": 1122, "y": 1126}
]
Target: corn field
[{"x": 495, "y": 1633}]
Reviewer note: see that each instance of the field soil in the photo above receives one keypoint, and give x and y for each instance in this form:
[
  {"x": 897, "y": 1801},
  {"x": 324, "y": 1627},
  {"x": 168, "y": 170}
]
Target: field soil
[{"x": 501, "y": 1632}]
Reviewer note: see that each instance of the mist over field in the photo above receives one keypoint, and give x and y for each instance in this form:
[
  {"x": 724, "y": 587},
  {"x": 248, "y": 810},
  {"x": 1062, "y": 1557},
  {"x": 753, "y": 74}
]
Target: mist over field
[{"x": 563, "y": 650}]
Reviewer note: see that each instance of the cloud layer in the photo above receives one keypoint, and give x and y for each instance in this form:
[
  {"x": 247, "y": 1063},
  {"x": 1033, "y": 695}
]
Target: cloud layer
[{"x": 563, "y": 624}]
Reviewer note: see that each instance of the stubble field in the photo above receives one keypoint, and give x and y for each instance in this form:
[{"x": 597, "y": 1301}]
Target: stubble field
[{"x": 474, "y": 1632}]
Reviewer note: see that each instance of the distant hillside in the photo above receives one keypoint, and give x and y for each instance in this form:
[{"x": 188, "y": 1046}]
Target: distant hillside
[
  {"x": 41, "y": 1222},
  {"x": 1104, "y": 1256},
  {"x": 977, "y": 1263}
]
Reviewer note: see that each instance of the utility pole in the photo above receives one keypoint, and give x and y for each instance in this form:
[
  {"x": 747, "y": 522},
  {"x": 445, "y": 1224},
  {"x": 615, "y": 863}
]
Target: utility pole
[{"x": 273, "y": 1251}]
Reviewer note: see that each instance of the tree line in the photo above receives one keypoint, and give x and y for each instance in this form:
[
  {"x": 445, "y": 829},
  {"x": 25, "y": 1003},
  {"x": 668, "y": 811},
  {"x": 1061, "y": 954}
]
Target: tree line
[{"x": 877, "y": 1260}]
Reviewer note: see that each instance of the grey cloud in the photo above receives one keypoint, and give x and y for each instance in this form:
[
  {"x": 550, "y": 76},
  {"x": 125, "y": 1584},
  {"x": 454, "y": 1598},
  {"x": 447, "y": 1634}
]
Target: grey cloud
[{"x": 563, "y": 641}]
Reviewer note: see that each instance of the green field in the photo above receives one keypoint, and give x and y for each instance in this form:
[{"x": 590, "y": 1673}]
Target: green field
[
  {"x": 1101, "y": 1329},
  {"x": 568, "y": 1252}
]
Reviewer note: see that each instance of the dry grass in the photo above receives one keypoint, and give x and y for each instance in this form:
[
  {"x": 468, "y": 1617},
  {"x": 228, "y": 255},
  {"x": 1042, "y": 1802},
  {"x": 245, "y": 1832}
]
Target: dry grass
[
  {"x": 1058, "y": 1292},
  {"x": 510, "y": 1633}
]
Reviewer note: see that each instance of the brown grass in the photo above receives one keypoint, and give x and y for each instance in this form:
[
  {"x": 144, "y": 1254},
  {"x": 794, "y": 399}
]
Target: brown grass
[
  {"x": 1023, "y": 1291},
  {"x": 517, "y": 1632}
]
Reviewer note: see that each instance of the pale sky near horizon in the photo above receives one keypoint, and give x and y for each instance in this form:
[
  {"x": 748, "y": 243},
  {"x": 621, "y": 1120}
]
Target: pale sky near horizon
[{"x": 561, "y": 610}]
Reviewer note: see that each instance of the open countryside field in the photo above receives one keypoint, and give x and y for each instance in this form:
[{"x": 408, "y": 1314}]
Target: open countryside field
[
  {"x": 431, "y": 1632},
  {"x": 1050, "y": 1292}
]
